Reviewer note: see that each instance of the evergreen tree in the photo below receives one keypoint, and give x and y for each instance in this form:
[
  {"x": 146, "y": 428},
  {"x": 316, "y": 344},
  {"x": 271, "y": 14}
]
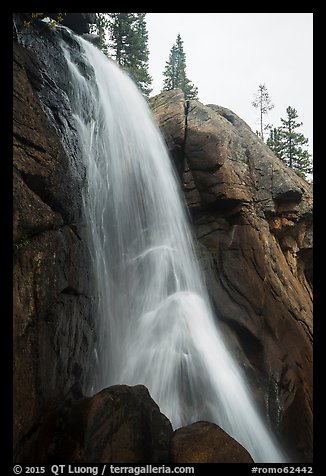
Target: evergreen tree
[
  {"x": 288, "y": 144},
  {"x": 275, "y": 143},
  {"x": 295, "y": 155},
  {"x": 121, "y": 30},
  {"x": 139, "y": 55},
  {"x": 175, "y": 72},
  {"x": 262, "y": 101},
  {"x": 127, "y": 43},
  {"x": 129, "y": 46},
  {"x": 100, "y": 28}
]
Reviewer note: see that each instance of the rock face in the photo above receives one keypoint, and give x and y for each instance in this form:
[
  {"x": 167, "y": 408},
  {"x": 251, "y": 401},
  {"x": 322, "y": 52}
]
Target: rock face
[
  {"x": 52, "y": 310},
  {"x": 79, "y": 22},
  {"x": 121, "y": 424},
  {"x": 204, "y": 442},
  {"x": 252, "y": 216}
]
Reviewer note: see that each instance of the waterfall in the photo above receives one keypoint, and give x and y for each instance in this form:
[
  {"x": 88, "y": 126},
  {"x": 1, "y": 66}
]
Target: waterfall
[{"x": 155, "y": 322}]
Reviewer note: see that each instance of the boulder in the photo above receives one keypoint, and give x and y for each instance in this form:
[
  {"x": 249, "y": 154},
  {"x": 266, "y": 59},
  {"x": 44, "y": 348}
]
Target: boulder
[
  {"x": 120, "y": 424},
  {"x": 205, "y": 442}
]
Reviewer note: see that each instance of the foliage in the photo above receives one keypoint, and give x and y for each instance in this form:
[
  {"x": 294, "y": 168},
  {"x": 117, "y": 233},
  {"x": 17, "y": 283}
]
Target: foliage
[
  {"x": 275, "y": 142},
  {"x": 33, "y": 16},
  {"x": 36, "y": 16},
  {"x": 139, "y": 56},
  {"x": 122, "y": 36},
  {"x": 23, "y": 241},
  {"x": 262, "y": 101},
  {"x": 100, "y": 28},
  {"x": 175, "y": 72},
  {"x": 288, "y": 144},
  {"x": 127, "y": 43}
]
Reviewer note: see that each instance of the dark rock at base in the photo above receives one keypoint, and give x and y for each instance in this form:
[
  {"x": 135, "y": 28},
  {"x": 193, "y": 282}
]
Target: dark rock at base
[
  {"x": 120, "y": 424},
  {"x": 204, "y": 442}
]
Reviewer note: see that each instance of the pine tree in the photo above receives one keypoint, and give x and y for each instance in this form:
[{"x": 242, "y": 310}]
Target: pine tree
[
  {"x": 129, "y": 45},
  {"x": 295, "y": 156},
  {"x": 262, "y": 101},
  {"x": 170, "y": 73},
  {"x": 100, "y": 28},
  {"x": 288, "y": 145},
  {"x": 121, "y": 36},
  {"x": 139, "y": 55},
  {"x": 124, "y": 37},
  {"x": 175, "y": 72},
  {"x": 275, "y": 143}
]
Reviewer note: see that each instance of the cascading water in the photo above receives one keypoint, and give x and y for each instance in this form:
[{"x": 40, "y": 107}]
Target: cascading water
[{"x": 156, "y": 326}]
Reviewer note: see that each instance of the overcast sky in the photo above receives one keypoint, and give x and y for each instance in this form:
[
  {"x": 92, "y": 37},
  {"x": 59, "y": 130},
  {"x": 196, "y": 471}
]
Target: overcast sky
[{"x": 229, "y": 54}]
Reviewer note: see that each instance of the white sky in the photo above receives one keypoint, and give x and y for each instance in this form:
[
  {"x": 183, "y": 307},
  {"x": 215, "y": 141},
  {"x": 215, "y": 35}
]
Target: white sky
[{"x": 229, "y": 54}]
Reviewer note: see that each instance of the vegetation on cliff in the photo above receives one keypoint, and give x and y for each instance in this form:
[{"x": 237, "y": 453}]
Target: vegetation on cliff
[
  {"x": 124, "y": 37},
  {"x": 289, "y": 145},
  {"x": 175, "y": 72}
]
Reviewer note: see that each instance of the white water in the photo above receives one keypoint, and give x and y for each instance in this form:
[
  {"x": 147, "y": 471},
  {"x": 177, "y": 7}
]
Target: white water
[{"x": 156, "y": 324}]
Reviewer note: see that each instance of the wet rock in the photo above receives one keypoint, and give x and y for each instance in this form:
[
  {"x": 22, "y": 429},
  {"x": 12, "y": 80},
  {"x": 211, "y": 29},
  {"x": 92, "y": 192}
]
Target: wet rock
[
  {"x": 252, "y": 216},
  {"x": 52, "y": 325}
]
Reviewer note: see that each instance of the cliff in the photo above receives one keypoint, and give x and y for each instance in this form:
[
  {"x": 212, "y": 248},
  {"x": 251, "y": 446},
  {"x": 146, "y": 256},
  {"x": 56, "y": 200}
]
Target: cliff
[
  {"x": 252, "y": 217},
  {"x": 52, "y": 325}
]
